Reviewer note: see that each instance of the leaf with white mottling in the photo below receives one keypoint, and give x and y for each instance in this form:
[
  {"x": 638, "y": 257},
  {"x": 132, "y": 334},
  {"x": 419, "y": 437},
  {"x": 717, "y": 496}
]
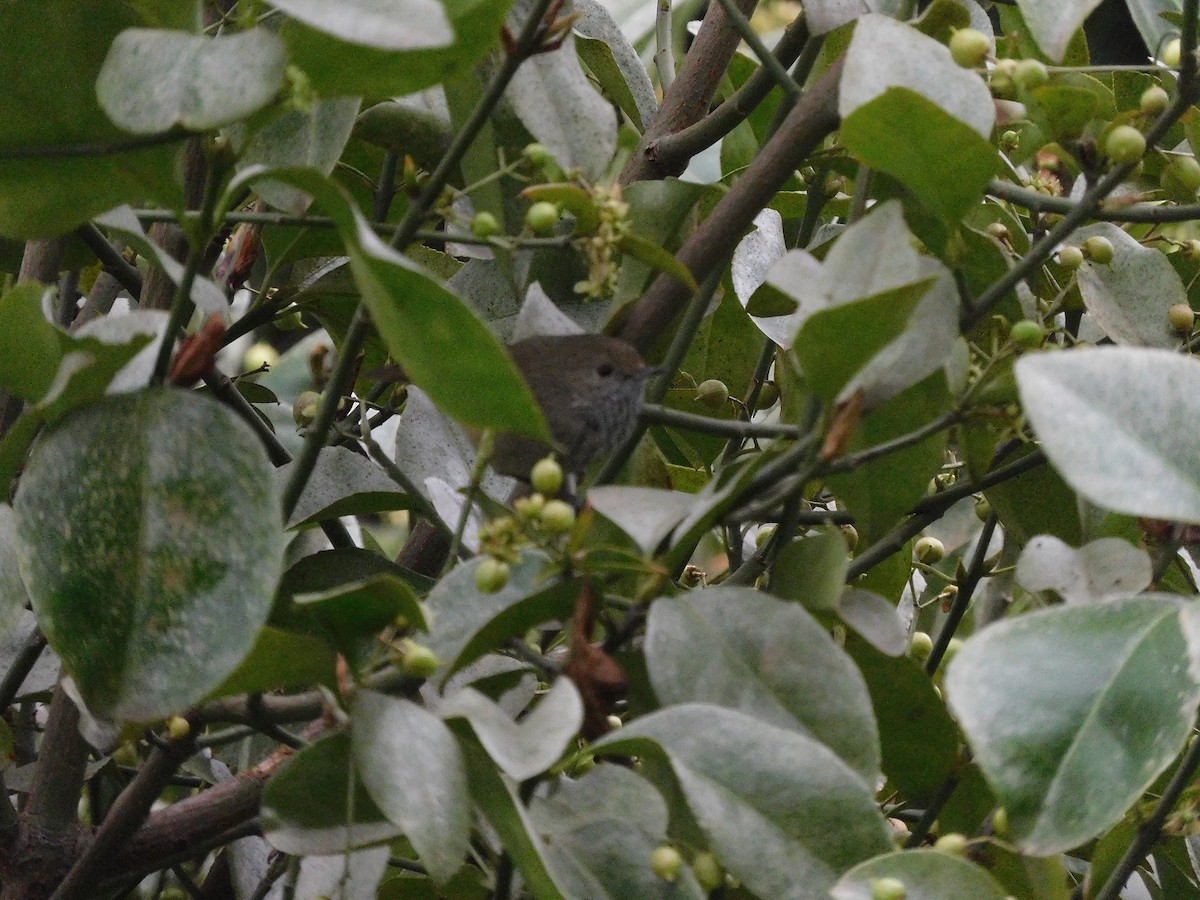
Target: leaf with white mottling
[{"x": 1104, "y": 568}]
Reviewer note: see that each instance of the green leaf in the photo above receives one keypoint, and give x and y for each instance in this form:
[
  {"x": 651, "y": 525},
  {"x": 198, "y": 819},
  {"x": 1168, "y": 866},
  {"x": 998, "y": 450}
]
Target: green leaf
[
  {"x": 743, "y": 650},
  {"x": 1129, "y": 298},
  {"x": 50, "y": 64},
  {"x": 497, "y": 798},
  {"x": 307, "y": 807},
  {"x": 615, "y": 63},
  {"x": 281, "y": 660},
  {"x": 153, "y": 81},
  {"x": 13, "y": 595},
  {"x": 1117, "y": 423},
  {"x": 781, "y": 811},
  {"x": 424, "y": 325},
  {"x": 926, "y": 874},
  {"x": 900, "y": 131},
  {"x": 343, "y": 483},
  {"x": 657, "y": 258},
  {"x": 152, "y": 561},
  {"x": 1053, "y": 25},
  {"x": 337, "y": 67},
  {"x": 529, "y": 747},
  {"x": 812, "y": 570},
  {"x": 1073, "y": 712},
  {"x": 467, "y": 624},
  {"x": 394, "y": 25},
  {"x": 411, "y": 766},
  {"x": 599, "y": 832},
  {"x": 918, "y": 738},
  {"x": 28, "y": 365}
]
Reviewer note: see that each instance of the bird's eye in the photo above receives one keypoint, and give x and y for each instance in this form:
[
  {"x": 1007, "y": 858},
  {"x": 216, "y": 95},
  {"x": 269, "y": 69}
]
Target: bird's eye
[{"x": 604, "y": 370}]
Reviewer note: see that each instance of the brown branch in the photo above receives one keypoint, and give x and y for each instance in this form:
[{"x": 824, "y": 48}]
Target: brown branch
[
  {"x": 688, "y": 98},
  {"x": 809, "y": 123}
]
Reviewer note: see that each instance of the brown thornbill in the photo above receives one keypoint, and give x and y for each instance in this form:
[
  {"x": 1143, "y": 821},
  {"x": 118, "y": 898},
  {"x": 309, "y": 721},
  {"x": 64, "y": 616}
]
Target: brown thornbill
[{"x": 590, "y": 389}]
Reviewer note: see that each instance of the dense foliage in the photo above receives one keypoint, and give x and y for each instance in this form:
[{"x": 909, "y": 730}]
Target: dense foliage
[{"x": 891, "y": 595}]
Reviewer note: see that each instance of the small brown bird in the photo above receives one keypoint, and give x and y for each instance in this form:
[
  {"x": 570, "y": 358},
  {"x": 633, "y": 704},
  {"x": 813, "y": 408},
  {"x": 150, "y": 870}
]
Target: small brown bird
[{"x": 590, "y": 388}]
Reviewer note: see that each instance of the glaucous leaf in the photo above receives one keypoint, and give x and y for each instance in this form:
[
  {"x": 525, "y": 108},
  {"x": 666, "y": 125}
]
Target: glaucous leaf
[
  {"x": 155, "y": 80},
  {"x": 1116, "y": 422},
  {"x": 826, "y": 15},
  {"x": 13, "y": 595},
  {"x": 1053, "y": 25},
  {"x": 605, "y": 50},
  {"x": 1108, "y": 567},
  {"x": 347, "y": 876},
  {"x": 648, "y": 515},
  {"x": 743, "y": 650},
  {"x": 28, "y": 365},
  {"x": 1129, "y": 297},
  {"x": 308, "y": 809},
  {"x": 926, "y": 875},
  {"x": 385, "y": 24},
  {"x": 781, "y": 811},
  {"x": 343, "y": 483},
  {"x": 152, "y": 561},
  {"x": 410, "y": 764},
  {"x": 1072, "y": 712}
]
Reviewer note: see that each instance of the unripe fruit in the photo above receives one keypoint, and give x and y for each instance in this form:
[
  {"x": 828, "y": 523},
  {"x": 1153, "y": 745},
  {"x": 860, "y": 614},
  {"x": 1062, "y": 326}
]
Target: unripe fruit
[
  {"x": 1172, "y": 54},
  {"x": 178, "y": 728},
  {"x": 542, "y": 217},
  {"x": 888, "y": 889},
  {"x": 1000, "y": 822},
  {"x": 768, "y": 395},
  {"x": 484, "y": 225},
  {"x": 417, "y": 660},
  {"x": 1098, "y": 249},
  {"x": 547, "y": 476},
  {"x": 999, "y": 231},
  {"x": 538, "y": 154},
  {"x": 613, "y": 722},
  {"x": 712, "y": 393},
  {"x": 557, "y": 517},
  {"x": 1070, "y": 257},
  {"x": 921, "y": 646},
  {"x": 850, "y": 533},
  {"x": 708, "y": 872},
  {"x": 1009, "y": 141},
  {"x": 953, "y": 843},
  {"x": 666, "y": 862},
  {"x": 1002, "y": 83},
  {"x": 1030, "y": 74},
  {"x": 983, "y": 509},
  {"x": 491, "y": 576},
  {"x": 304, "y": 410},
  {"x": 530, "y": 507},
  {"x": 1124, "y": 144},
  {"x": 1026, "y": 333},
  {"x": 930, "y": 550},
  {"x": 1186, "y": 171},
  {"x": 1154, "y": 100},
  {"x": 260, "y": 355},
  {"x": 1182, "y": 317},
  {"x": 764, "y": 535},
  {"x": 292, "y": 321},
  {"x": 969, "y": 47},
  {"x": 1191, "y": 249}
]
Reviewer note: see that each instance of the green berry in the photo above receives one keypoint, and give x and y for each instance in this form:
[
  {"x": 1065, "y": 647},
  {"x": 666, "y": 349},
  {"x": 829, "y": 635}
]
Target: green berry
[
  {"x": 1027, "y": 334},
  {"x": 1191, "y": 249},
  {"x": 713, "y": 393},
  {"x": 304, "y": 410},
  {"x": 970, "y": 47},
  {"x": 1002, "y": 83},
  {"x": 1182, "y": 318},
  {"x": 764, "y": 535},
  {"x": 417, "y": 660},
  {"x": 666, "y": 862},
  {"x": 1124, "y": 145},
  {"x": 1000, "y": 822},
  {"x": 768, "y": 395},
  {"x": 1154, "y": 100},
  {"x": 850, "y": 533},
  {"x": 1186, "y": 170},
  {"x": 1030, "y": 74},
  {"x": 1070, "y": 257},
  {"x": 953, "y": 843},
  {"x": 888, "y": 889},
  {"x": 557, "y": 517},
  {"x": 1172, "y": 54},
  {"x": 178, "y": 728},
  {"x": 708, "y": 872},
  {"x": 921, "y": 646},
  {"x": 491, "y": 576},
  {"x": 546, "y": 476},
  {"x": 983, "y": 509},
  {"x": 1098, "y": 249},
  {"x": 541, "y": 217},
  {"x": 999, "y": 231},
  {"x": 260, "y": 355},
  {"x": 484, "y": 225},
  {"x": 930, "y": 550},
  {"x": 529, "y": 507},
  {"x": 1009, "y": 141},
  {"x": 538, "y": 154}
]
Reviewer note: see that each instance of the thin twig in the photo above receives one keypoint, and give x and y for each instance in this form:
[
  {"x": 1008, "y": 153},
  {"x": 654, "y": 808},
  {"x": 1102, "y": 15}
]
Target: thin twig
[
  {"x": 975, "y": 574},
  {"x": 769, "y": 60},
  {"x": 654, "y": 414}
]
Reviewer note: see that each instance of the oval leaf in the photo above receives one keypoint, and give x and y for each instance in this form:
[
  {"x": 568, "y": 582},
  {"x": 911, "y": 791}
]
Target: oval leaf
[
  {"x": 1118, "y": 423},
  {"x": 926, "y": 875},
  {"x": 386, "y": 24},
  {"x": 152, "y": 561},
  {"x": 1103, "y": 568},
  {"x": 1114, "y": 704}
]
